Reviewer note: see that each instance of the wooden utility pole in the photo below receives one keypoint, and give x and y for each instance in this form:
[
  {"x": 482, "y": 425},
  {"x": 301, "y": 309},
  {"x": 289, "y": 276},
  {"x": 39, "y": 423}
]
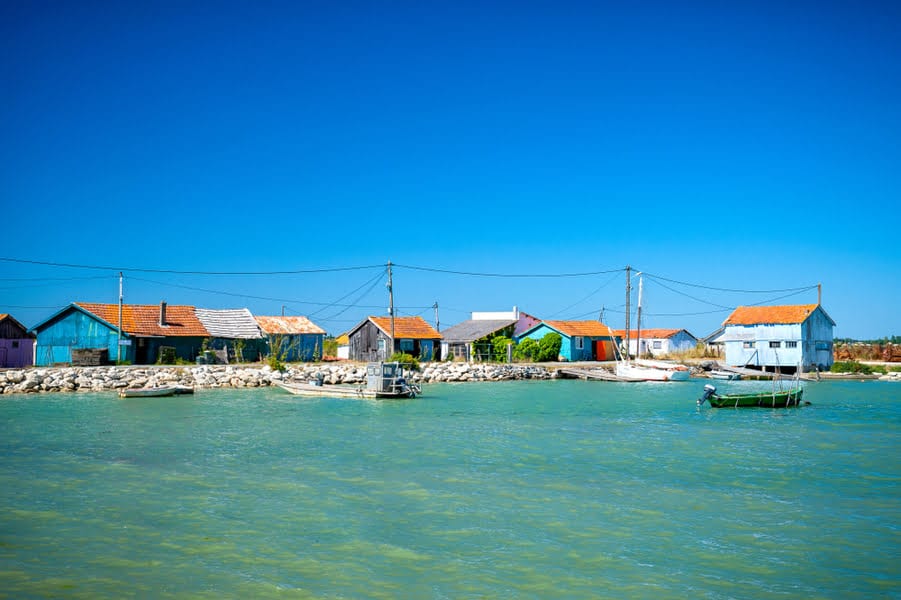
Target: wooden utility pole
[
  {"x": 119, "y": 337},
  {"x": 391, "y": 306}
]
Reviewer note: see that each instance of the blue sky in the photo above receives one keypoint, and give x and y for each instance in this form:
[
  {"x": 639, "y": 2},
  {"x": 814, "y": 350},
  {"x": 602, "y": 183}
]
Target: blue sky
[{"x": 733, "y": 146}]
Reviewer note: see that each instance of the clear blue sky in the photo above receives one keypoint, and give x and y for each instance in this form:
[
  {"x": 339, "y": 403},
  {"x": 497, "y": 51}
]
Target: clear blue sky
[{"x": 752, "y": 146}]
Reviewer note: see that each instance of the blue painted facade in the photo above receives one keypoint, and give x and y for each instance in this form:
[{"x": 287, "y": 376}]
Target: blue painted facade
[
  {"x": 74, "y": 327},
  {"x": 572, "y": 348}
]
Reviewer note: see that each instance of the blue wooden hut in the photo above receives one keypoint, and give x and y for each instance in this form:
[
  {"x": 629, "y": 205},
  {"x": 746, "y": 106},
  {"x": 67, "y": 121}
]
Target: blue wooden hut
[
  {"x": 582, "y": 340},
  {"x": 146, "y": 329}
]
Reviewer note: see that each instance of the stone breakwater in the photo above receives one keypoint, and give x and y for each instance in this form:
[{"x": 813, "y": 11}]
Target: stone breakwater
[{"x": 101, "y": 379}]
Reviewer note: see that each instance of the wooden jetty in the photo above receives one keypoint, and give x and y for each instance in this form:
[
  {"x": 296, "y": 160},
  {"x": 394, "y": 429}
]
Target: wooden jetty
[{"x": 594, "y": 374}]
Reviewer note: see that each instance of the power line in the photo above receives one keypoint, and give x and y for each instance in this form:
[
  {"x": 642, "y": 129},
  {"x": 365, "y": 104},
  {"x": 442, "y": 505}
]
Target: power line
[
  {"x": 706, "y": 287},
  {"x": 508, "y": 275},
  {"x": 176, "y": 272}
]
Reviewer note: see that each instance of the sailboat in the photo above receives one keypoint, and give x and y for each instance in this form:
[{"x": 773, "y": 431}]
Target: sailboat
[{"x": 648, "y": 370}]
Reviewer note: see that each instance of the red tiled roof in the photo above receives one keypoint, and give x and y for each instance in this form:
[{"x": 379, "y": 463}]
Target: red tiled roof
[
  {"x": 144, "y": 319},
  {"x": 407, "y": 327},
  {"x": 781, "y": 315},
  {"x": 288, "y": 325},
  {"x": 647, "y": 334},
  {"x": 581, "y": 328}
]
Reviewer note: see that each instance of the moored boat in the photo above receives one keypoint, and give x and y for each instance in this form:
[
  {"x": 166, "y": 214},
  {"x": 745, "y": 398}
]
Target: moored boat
[
  {"x": 156, "y": 392},
  {"x": 773, "y": 399},
  {"x": 383, "y": 380},
  {"x": 724, "y": 375}
]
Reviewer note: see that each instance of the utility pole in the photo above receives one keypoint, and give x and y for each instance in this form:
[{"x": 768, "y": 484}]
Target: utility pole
[
  {"x": 437, "y": 322},
  {"x": 119, "y": 337},
  {"x": 628, "y": 304},
  {"x": 391, "y": 306},
  {"x": 601, "y": 315},
  {"x": 283, "y": 310},
  {"x": 819, "y": 293}
]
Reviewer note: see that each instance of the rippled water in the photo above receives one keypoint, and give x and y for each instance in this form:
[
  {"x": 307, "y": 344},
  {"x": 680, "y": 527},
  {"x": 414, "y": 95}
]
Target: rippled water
[{"x": 562, "y": 489}]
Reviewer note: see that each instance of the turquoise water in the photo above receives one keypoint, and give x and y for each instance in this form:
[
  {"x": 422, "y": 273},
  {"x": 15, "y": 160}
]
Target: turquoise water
[{"x": 561, "y": 489}]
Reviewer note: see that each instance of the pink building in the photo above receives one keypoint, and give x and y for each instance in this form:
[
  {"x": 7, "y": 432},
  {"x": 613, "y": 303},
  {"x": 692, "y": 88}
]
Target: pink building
[{"x": 16, "y": 344}]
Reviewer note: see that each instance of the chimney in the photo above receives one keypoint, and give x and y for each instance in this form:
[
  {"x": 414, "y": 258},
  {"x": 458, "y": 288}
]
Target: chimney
[{"x": 163, "y": 313}]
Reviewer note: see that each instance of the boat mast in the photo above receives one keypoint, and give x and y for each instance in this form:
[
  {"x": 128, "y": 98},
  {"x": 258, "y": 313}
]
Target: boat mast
[
  {"x": 638, "y": 320},
  {"x": 628, "y": 309}
]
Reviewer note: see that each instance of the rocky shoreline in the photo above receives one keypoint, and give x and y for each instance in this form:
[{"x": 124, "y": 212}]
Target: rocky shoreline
[{"x": 104, "y": 379}]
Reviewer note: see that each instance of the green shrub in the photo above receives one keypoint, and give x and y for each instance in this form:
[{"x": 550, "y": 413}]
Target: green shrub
[
  {"x": 166, "y": 356},
  {"x": 850, "y": 366},
  {"x": 526, "y": 350},
  {"x": 274, "y": 363},
  {"x": 499, "y": 347},
  {"x": 549, "y": 347},
  {"x": 405, "y": 359}
]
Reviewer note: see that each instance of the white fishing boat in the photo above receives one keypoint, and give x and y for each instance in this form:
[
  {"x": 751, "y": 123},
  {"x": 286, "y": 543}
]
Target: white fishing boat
[
  {"x": 648, "y": 370},
  {"x": 383, "y": 380}
]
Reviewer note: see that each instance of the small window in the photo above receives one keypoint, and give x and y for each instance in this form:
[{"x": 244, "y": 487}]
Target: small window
[
  {"x": 406, "y": 345},
  {"x": 747, "y": 344},
  {"x": 658, "y": 344},
  {"x": 775, "y": 344},
  {"x": 579, "y": 343},
  {"x": 791, "y": 344},
  {"x": 824, "y": 345},
  {"x": 15, "y": 343}
]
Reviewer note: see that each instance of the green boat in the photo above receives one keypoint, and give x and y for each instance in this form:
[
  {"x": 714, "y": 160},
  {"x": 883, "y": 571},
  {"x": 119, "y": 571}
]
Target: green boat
[{"x": 774, "y": 399}]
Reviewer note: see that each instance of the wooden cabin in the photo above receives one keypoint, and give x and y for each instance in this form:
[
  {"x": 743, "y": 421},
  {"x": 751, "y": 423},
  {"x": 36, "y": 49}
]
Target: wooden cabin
[
  {"x": 16, "y": 344},
  {"x": 235, "y": 336},
  {"x": 293, "y": 338},
  {"x": 371, "y": 340},
  {"x": 779, "y": 337},
  {"x": 582, "y": 340},
  {"x": 147, "y": 332}
]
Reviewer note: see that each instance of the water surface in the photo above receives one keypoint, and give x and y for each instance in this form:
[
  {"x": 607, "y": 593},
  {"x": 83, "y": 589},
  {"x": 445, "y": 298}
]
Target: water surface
[{"x": 560, "y": 489}]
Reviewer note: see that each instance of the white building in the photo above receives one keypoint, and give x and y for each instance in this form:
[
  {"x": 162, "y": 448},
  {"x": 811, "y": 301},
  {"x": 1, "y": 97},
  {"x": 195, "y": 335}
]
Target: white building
[
  {"x": 779, "y": 336},
  {"x": 657, "y": 342}
]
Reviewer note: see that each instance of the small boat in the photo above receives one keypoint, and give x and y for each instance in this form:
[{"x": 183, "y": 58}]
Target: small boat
[
  {"x": 646, "y": 370},
  {"x": 156, "y": 392},
  {"x": 774, "y": 399},
  {"x": 725, "y": 375},
  {"x": 383, "y": 380}
]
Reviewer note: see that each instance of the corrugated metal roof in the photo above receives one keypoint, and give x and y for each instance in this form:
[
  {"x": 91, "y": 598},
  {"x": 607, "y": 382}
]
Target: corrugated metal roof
[
  {"x": 472, "y": 330},
  {"x": 288, "y": 325},
  {"x": 407, "y": 327},
  {"x": 236, "y": 323},
  {"x": 144, "y": 319},
  {"x": 581, "y": 328},
  {"x": 770, "y": 315}
]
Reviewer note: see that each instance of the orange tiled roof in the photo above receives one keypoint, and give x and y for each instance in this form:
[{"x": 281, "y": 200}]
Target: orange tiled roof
[
  {"x": 407, "y": 327},
  {"x": 288, "y": 325},
  {"x": 770, "y": 315},
  {"x": 647, "y": 334},
  {"x": 144, "y": 319},
  {"x": 581, "y": 328}
]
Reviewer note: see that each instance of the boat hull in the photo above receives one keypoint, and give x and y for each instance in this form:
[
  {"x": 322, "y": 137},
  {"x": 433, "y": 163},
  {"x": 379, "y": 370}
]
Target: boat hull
[
  {"x": 761, "y": 400},
  {"x": 652, "y": 373},
  {"x": 338, "y": 391},
  {"x": 156, "y": 392}
]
